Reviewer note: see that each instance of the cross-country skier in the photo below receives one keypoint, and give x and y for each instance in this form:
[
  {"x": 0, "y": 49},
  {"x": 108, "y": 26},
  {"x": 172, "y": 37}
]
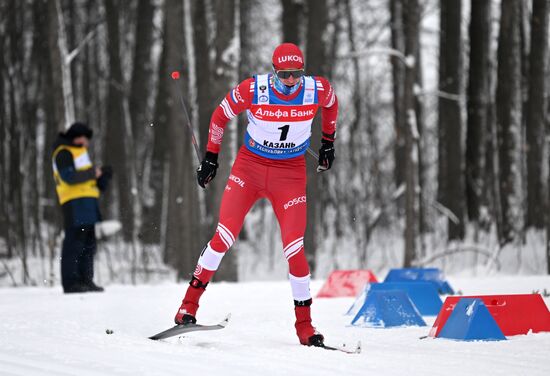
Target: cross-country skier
[{"x": 271, "y": 164}]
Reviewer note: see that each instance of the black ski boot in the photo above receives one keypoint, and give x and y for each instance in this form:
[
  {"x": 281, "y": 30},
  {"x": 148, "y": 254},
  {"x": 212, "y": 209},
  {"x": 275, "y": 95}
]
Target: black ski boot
[
  {"x": 316, "y": 340},
  {"x": 187, "y": 319}
]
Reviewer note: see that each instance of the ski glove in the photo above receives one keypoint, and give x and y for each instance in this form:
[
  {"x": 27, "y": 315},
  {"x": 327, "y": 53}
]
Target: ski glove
[
  {"x": 106, "y": 175},
  {"x": 207, "y": 169},
  {"x": 326, "y": 155},
  {"x": 107, "y": 171}
]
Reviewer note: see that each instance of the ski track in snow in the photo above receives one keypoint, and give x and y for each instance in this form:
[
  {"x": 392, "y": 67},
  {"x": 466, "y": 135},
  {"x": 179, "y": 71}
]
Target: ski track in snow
[{"x": 43, "y": 332}]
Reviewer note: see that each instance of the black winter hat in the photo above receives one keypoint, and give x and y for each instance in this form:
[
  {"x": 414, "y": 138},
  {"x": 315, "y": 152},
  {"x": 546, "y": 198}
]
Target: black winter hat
[{"x": 77, "y": 130}]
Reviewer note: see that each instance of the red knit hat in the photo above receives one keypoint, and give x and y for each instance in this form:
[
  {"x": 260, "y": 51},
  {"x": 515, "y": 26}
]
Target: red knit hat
[{"x": 288, "y": 56}]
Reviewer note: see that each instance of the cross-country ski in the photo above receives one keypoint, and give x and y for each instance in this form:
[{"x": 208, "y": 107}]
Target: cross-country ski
[{"x": 182, "y": 329}]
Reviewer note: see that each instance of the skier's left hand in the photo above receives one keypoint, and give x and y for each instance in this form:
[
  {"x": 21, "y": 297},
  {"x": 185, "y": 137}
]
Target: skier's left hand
[{"x": 326, "y": 155}]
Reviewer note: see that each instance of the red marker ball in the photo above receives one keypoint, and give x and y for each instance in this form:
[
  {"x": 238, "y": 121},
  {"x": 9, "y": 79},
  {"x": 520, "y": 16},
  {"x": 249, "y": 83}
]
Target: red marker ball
[{"x": 175, "y": 75}]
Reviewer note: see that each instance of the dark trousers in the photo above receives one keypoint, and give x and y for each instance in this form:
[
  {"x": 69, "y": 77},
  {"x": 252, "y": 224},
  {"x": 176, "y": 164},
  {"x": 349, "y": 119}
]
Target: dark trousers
[{"x": 77, "y": 256}]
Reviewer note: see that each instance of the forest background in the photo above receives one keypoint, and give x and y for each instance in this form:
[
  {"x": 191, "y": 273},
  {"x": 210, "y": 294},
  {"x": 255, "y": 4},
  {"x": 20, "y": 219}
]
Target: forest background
[{"x": 442, "y": 142}]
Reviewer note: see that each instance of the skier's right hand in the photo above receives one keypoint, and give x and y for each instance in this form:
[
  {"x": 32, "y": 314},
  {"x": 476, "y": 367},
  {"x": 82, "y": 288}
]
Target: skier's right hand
[{"x": 207, "y": 169}]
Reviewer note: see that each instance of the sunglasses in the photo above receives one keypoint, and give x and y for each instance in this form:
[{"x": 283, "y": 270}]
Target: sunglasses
[{"x": 284, "y": 74}]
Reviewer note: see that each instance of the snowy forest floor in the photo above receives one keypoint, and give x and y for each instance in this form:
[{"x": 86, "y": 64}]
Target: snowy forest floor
[{"x": 43, "y": 332}]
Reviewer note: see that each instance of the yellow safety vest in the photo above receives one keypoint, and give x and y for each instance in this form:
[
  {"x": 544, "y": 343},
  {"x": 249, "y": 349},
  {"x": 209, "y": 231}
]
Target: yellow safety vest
[{"x": 67, "y": 192}]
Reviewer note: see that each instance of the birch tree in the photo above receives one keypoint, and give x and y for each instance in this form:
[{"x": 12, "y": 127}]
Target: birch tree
[{"x": 61, "y": 65}]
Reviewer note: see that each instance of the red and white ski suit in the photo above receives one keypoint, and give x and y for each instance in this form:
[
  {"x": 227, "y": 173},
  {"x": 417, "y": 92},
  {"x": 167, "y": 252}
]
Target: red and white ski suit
[{"x": 270, "y": 164}]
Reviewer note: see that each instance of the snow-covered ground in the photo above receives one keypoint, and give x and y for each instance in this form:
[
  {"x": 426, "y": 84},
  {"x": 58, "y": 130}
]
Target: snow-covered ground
[{"x": 43, "y": 332}]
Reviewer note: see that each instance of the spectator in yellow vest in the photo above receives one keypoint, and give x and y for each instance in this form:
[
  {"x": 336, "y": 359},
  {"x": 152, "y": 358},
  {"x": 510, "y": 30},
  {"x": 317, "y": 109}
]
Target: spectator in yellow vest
[{"x": 78, "y": 185}]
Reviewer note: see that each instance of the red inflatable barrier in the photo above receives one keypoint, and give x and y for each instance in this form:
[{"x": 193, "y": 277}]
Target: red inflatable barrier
[
  {"x": 342, "y": 283},
  {"x": 514, "y": 314}
]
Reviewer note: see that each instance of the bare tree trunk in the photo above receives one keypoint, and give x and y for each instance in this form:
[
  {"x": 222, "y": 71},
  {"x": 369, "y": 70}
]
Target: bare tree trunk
[
  {"x": 478, "y": 101},
  {"x": 316, "y": 64},
  {"x": 361, "y": 116},
  {"x": 116, "y": 146},
  {"x": 34, "y": 89},
  {"x": 509, "y": 110},
  {"x": 182, "y": 244},
  {"x": 398, "y": 75},
  {"x": 246, "y": 8},
  {"x": 245, "y": 69},
  {"x": 225, "y": 68},
  {"x": 3, "y": 132},
  {"x": 356, "y": 143},
  {"x": 536, "y": 113},
  {"x": 450, "y": 122},
  {"x": 331, "y": 198},
  {"x": 203, "y": 71},
  {"x": 18, "y": 229},
  {"x": 548, "y": 183},
  {"x": 548, "y": 239},
  {"x": 56, "y": 62},
  {"x": 51, "y": 212},
  {"x": 143, "y": 67},
  {"x": 548, "y": 197},
  {"x": 206, "y": 101},
  {"x": 153, "y": 216},
  {"x": 141, "y": 84},
  {"x": 76, "y": 24},
  {"x": 293, "y": 13},
  {"x": 411, "y": 29},
  {"x": 96, "y": 90},
  {"x": 491, "y": 184},
  {"x": 420, "y": 124}
]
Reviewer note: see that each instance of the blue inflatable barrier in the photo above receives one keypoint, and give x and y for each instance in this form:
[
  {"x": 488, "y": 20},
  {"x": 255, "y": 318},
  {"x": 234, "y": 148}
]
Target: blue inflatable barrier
[
  {"x": 384, "y": 309},
  {"x": 471, "y": 321},
  {"x": 358, "y": 303},
  {"x": 433, "y": 275},
  {"x": 423, "y": 294}
]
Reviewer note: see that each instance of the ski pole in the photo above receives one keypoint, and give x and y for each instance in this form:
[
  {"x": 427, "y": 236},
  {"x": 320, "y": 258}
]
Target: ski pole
[
  {"x": 176, "y": 76},
  {"x": 313, "y": 154}
]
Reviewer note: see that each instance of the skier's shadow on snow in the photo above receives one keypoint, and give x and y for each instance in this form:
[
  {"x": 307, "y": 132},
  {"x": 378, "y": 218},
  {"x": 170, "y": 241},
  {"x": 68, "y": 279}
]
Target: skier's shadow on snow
[{"x": 188, "y": 341}]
